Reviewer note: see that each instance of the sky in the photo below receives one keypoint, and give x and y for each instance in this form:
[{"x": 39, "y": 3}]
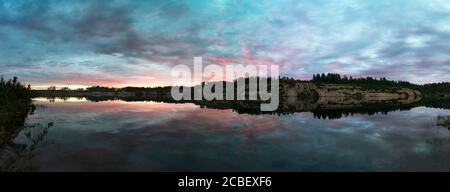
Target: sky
[{"x": 136, "y": 43}]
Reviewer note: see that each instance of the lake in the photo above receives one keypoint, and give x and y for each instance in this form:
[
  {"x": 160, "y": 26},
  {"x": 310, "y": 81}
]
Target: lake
[{"x": 115, "y": 135}]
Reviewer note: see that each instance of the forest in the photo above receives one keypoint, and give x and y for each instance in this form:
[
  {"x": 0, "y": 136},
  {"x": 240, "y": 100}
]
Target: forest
[{"x": 431, "y": 90}]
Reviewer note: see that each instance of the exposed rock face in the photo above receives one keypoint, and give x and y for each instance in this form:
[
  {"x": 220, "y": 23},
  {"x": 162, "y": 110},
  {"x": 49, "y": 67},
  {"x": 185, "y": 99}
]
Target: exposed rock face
[
  {"x": 327, "y": 93},
  {"x": 297, "y": 89}
]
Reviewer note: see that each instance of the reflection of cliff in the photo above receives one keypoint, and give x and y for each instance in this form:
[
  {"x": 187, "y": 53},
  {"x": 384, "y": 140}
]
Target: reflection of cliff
[
  {"x": 331, "y": 103},
  {"x": 325, "y": 107},
  {"x": 330, "y": 107},
  {"x": 322, "y": 108},
  {"x": 324, "y": 100},
  {"x": 329, "y": 100}
]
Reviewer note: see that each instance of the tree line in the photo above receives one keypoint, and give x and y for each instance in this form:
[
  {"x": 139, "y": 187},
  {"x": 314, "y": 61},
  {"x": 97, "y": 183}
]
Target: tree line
[
  {"x": 12, "y": 90},
  {"x": 328, "y": 78}
]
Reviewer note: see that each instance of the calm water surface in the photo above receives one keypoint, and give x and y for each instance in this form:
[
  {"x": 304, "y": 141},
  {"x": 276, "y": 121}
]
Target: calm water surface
[{"x": 150, "y": 136}]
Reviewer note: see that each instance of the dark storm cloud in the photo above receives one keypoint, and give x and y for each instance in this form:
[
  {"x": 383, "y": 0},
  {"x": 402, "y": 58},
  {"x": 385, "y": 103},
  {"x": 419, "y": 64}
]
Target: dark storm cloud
[
  {"x": 32, "y": 16},
  {"x": 109, "y": 29},
  {"x": 106, "y": 27}
]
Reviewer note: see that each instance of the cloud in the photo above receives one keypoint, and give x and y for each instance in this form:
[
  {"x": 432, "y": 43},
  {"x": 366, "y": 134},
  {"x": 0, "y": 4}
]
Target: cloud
[{"x": 45, "y": 41}]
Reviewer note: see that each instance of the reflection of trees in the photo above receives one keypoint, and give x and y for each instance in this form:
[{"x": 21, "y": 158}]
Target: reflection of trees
[
  {"x": 325, "y": 110},
  {"x": 15, "y": 157},
  {"x": 442, "y": 103},
  {"x": 443, "y": 121},
  {"x": 15, "y": 106},
  {"x": 288, "y": 106},
  {"x": 382, "y": 108}
]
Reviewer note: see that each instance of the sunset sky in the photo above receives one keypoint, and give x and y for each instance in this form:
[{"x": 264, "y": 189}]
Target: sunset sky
[{"x": 121, "y": 43}]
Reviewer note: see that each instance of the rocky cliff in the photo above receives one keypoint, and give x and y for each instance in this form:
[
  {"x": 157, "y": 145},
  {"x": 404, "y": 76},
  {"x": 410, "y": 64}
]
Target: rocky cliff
[{"x": 347, "y": 93}]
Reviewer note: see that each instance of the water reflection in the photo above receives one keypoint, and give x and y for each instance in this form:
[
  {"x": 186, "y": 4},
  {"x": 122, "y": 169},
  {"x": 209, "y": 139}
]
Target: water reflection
[
  {"x": 15, "y": 155},
  {"x": 130, "y": 135},
  {"x": 323, "y": 108}
]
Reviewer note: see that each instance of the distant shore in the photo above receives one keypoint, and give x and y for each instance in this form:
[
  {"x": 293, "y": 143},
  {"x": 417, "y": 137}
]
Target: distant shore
[{"x": 322, "y": 85}]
